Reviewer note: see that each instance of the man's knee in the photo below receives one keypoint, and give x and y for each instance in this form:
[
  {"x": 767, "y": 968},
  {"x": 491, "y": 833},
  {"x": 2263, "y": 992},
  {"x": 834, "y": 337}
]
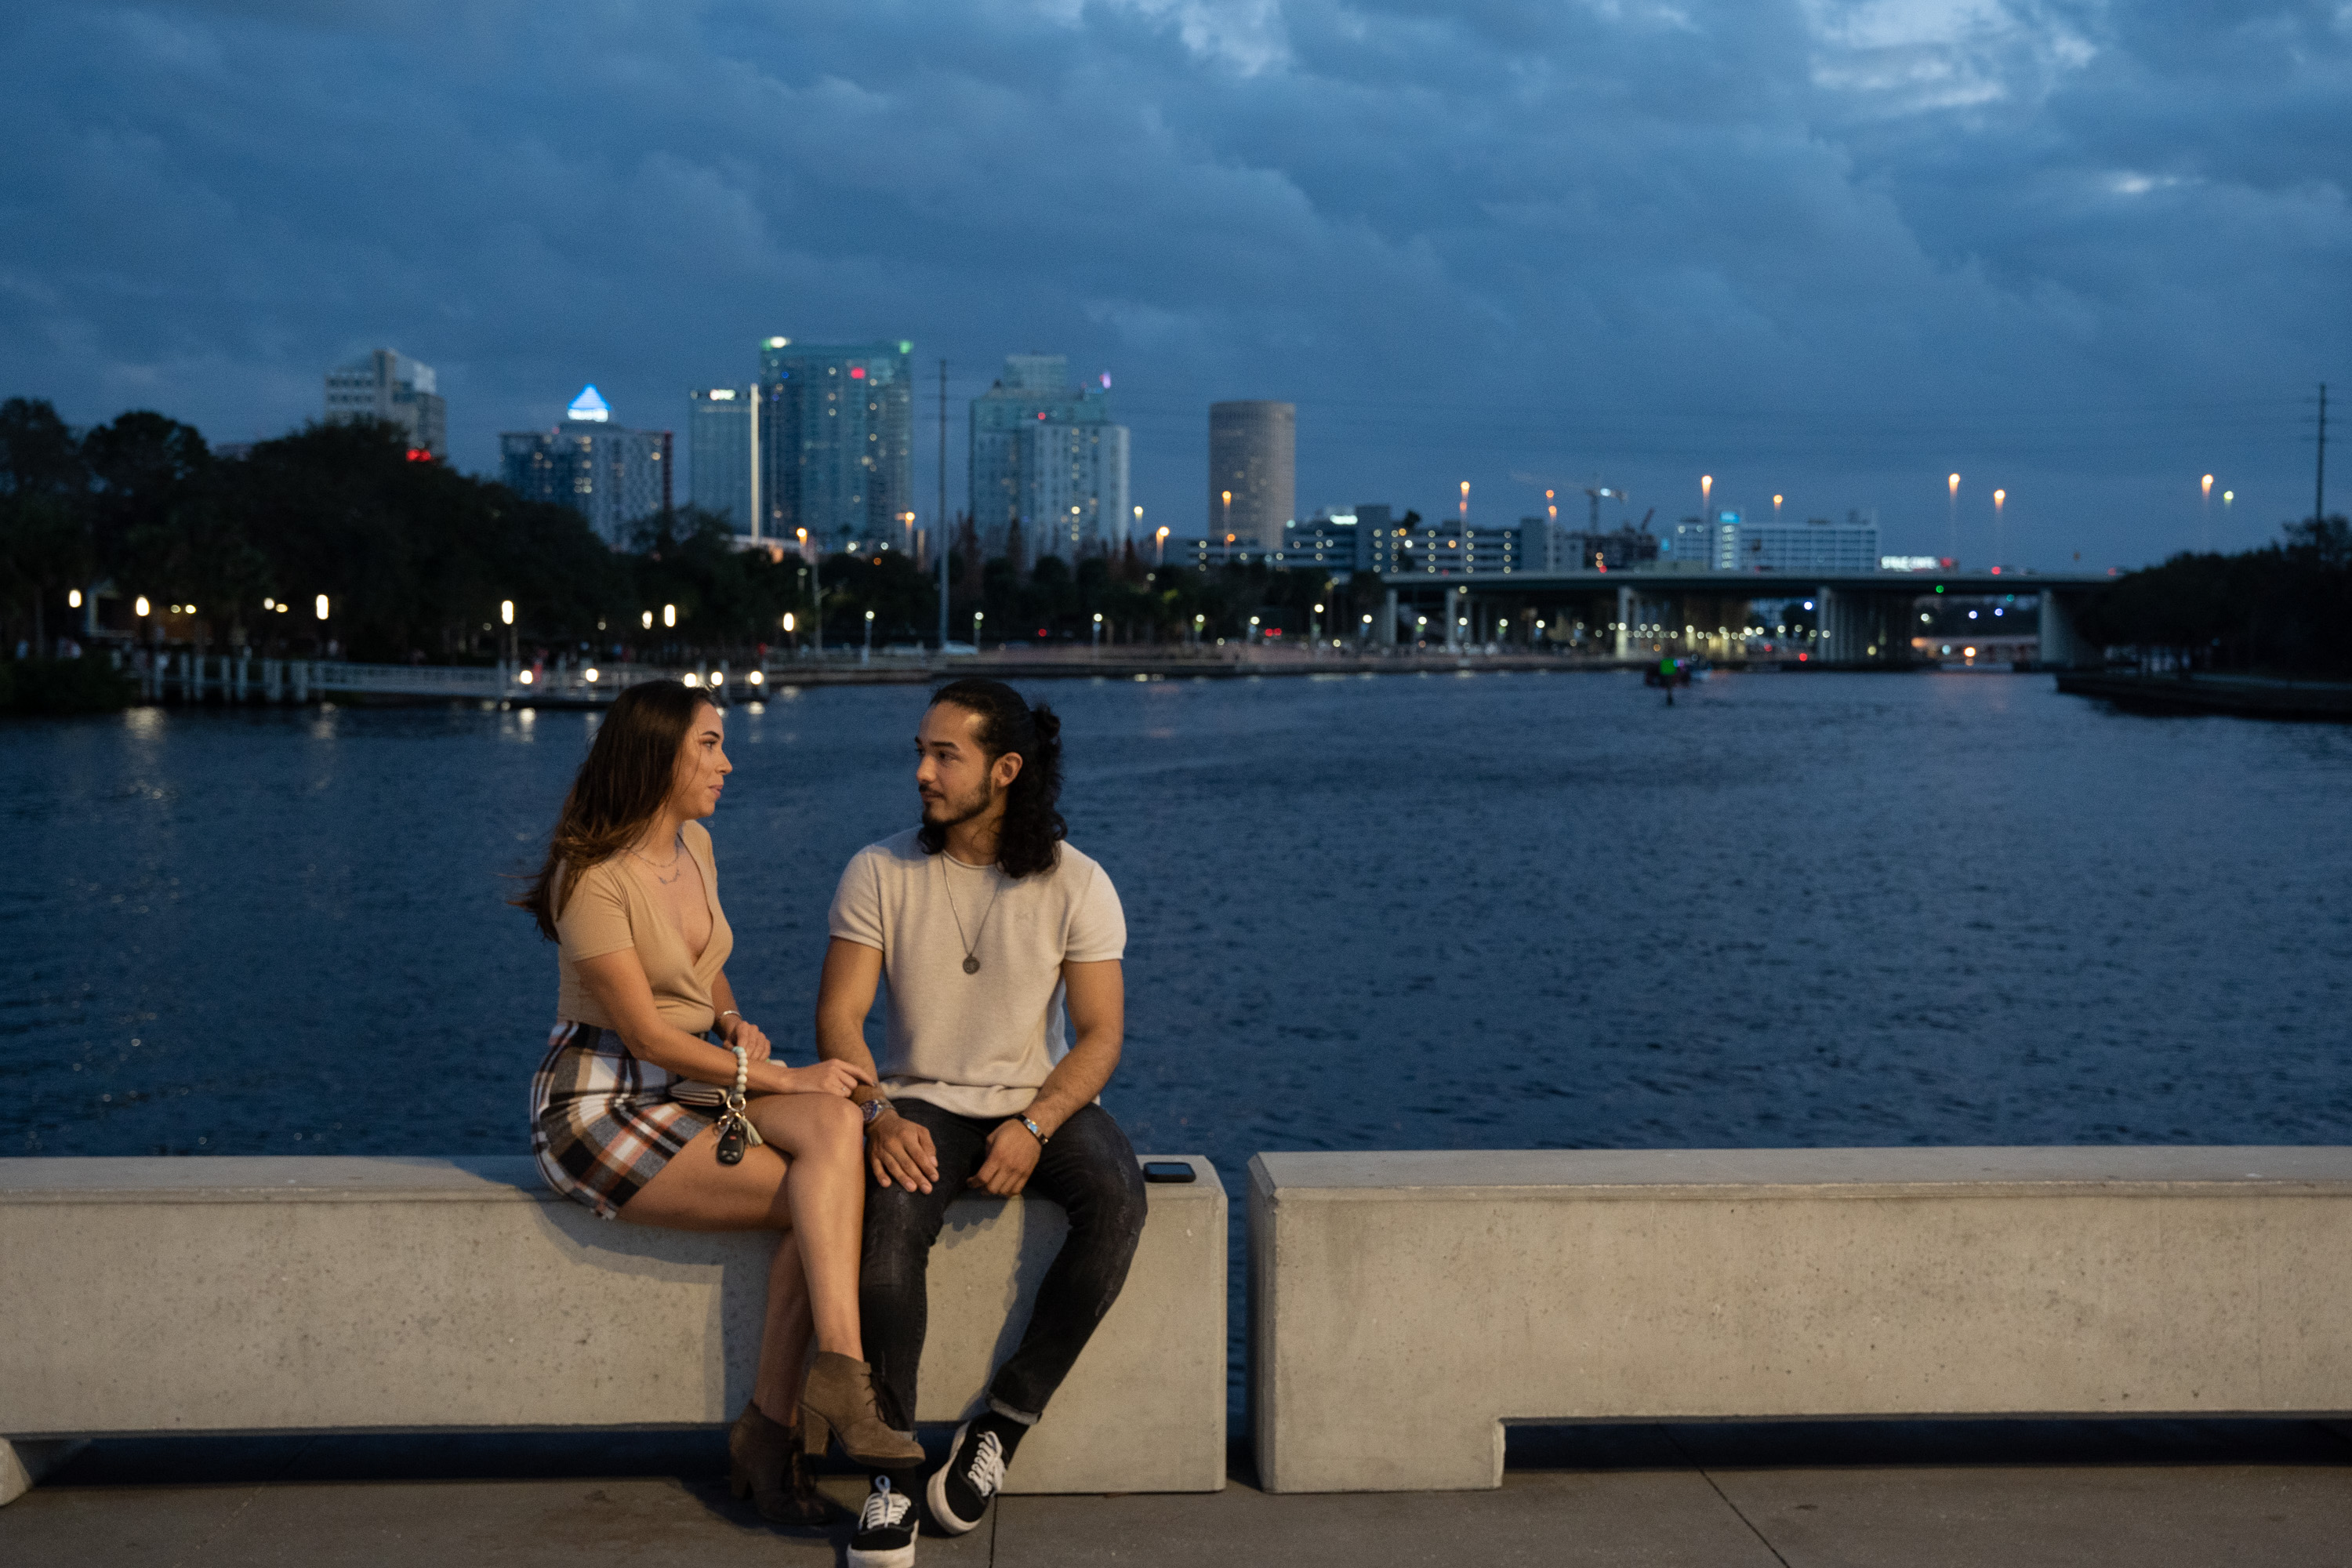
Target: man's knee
[{"x": 1109, "y": 1206}]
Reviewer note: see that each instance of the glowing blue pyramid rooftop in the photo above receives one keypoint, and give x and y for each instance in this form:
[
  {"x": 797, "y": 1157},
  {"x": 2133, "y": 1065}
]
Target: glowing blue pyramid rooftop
[{"x": 590, "y": 405}]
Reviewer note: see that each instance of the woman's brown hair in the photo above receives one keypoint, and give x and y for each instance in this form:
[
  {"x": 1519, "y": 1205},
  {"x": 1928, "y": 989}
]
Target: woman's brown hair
[{"x": 631, "y": 768}]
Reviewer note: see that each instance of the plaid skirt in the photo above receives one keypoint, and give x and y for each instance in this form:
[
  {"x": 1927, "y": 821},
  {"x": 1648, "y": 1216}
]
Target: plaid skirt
[{"x": 602, "y": 1122}]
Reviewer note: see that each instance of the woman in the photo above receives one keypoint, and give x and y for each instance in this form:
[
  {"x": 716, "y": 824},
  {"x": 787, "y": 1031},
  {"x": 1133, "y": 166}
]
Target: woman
[{"x": 630, "y": 894}]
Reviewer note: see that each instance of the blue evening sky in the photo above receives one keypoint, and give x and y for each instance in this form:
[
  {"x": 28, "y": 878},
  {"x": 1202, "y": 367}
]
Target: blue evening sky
[{"x": 2086, "y": 252}]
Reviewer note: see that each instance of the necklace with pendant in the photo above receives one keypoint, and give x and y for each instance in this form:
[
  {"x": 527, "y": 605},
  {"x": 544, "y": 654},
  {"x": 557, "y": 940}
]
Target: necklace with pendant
[{"x": 971, "y": 945}]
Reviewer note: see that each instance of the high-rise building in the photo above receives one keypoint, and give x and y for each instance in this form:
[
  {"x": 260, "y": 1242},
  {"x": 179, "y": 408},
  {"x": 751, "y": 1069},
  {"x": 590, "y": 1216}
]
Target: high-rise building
[
  {"x": 1253, "y": 472},
  {"x": 836, "y": 444},
  {"x": 397, "y": 389},
  {"x": 1817, "y": 546},
  {"x": 613, "y": 477},
  {"x": 722, "y": 453},
  {"x": 1047, "y": 453}
]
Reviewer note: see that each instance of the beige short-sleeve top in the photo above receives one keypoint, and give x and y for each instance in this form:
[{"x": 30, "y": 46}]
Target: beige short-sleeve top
[{"x": 611, "y": 909}]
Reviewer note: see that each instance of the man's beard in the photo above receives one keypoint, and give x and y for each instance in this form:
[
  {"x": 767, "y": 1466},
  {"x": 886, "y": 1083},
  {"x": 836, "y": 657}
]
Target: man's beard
[{"x": 953, "y": 812}]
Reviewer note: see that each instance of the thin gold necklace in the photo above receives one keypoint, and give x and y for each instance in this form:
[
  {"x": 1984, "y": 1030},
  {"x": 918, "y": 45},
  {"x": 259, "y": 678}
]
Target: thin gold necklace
[{"x": 677, "y": 848}]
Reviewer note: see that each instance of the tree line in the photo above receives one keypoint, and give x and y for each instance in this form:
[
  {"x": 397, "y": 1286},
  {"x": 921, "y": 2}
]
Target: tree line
[
  {"x": 2281, "y": 608},
  {"x": 415, "y": 561}
]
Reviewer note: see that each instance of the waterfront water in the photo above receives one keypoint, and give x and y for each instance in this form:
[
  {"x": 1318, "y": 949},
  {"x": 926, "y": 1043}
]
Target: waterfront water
[{"x": 1441, "y": 912}]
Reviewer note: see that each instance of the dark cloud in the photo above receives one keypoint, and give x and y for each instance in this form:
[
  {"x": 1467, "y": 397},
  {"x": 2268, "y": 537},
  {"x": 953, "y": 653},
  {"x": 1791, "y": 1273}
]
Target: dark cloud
[{"x": 1834, "y": 251}]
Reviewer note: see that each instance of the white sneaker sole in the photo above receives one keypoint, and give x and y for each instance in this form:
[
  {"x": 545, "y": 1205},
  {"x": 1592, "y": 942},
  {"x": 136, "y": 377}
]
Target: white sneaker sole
[
  {"x": 936, "y": 1492},
  {"x": 896, "y": 1557}
]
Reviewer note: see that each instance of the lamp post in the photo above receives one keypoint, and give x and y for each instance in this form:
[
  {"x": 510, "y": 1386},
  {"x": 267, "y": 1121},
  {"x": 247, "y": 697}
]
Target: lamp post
[
  {"x": 865, "y": 655},
  {"x": 1098, "y": 642},
  {"x": 2205, "y": 515},
  {"x": 2000, "y": 500},
  {"x": 1952, "y": 520},
  {"x": 977, "y": 617},
  {"x": 1706, "y": 493},
  {"x": 817, "y": 593}
]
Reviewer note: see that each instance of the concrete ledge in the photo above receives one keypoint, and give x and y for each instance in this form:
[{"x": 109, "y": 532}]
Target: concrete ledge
[
  {"x": 257, "y": 1295},
  {"x": 1405, "y": 1306}
]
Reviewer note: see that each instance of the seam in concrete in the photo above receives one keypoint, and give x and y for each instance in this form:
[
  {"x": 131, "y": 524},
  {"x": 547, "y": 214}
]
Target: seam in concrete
[
  {"x": 1761, "y": 1540},
  {"x": 251, "y": 1497}
]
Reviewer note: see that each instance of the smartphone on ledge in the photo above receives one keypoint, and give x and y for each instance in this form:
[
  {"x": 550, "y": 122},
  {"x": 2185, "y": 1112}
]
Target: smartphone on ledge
[{"x": 1168, "y": 1170}]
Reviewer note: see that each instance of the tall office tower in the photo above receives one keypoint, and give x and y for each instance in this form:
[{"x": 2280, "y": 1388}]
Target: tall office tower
[
  {"x": 1047, "y": 453},
  {"x": 722, "y": 446},
  {"x": 1252, "y": 457},
  {"x": 392, "y": 388},
  {"x": 836, "y": 444},
  {"x": 613, "y": 477}
]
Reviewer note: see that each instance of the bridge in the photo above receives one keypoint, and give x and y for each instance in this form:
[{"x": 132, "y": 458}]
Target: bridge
[{"x": 1863, "y": 618}]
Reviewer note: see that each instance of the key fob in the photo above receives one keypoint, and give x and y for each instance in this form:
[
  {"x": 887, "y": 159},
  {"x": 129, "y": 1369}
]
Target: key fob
[{"x": 730, "y": 1144}]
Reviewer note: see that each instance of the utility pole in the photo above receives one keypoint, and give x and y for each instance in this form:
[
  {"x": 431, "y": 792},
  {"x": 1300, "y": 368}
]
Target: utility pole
[
  {"x": 755, "y": 462},
  {"x": 941, "y": 528},
  {"x": 2319, "y": 483}
]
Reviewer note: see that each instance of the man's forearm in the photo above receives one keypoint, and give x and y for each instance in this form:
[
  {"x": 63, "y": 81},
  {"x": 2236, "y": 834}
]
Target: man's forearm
[{"x": 1074, "y": 1082}]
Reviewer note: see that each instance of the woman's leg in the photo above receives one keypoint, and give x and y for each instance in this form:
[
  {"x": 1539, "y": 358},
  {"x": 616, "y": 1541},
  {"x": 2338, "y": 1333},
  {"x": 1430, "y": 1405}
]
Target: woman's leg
[
  {"x": 820, "y": 1138},
  {"x": 783, "y": 1338},
  {"x": 825, "y": 1137}
]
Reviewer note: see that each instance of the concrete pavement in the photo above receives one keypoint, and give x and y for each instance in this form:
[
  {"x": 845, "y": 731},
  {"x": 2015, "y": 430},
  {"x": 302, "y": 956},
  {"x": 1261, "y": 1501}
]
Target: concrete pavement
[{"x": 2016, "y": 1494}]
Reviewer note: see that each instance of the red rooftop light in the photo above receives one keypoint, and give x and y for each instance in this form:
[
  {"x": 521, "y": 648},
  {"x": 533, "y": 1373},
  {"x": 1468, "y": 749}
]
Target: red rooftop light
[{"x": 857, "y": 373}]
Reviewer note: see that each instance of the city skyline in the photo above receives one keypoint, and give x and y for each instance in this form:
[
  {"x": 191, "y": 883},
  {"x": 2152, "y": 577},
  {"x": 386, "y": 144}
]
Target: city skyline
[{"x": 1832, "y": 252}]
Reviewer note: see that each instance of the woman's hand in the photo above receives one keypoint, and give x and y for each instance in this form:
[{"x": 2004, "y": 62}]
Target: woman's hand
[
  {"x": 754, "y": 1041},
  {"x": 825, "y": 1077}
]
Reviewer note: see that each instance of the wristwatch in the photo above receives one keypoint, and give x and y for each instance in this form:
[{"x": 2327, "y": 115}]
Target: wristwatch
[{"x": 874, "y": 1108}]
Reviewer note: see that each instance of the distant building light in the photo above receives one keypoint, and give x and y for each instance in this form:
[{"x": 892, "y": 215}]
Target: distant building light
[
  {"x": 776, "y": 342},
  {"x": 857, "y": 373},
  {"x": 720, "y": 394}
]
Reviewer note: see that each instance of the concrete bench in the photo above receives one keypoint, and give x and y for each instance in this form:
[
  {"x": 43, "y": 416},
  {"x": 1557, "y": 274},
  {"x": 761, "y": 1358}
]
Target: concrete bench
[
  {"x": 255, "y": 1294},
  {"x": 1404, "y": 1307}
]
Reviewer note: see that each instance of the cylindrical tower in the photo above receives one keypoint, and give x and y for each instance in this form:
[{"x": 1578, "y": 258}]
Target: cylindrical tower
[{"x": 1253, "y": 453}]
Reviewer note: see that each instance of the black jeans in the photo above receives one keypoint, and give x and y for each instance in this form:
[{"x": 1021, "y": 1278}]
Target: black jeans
[{"x": 1088, "y": 1168}]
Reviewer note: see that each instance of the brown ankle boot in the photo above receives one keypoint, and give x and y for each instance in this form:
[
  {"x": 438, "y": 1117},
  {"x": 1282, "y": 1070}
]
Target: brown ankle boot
[
  {"x": 838, "y": 1402},
  {"x": 765, "y": 1464}
]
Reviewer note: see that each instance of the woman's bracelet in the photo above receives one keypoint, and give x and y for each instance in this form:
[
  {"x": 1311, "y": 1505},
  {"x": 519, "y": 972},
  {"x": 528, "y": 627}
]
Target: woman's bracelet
[{"x": 731, "y": 1013}]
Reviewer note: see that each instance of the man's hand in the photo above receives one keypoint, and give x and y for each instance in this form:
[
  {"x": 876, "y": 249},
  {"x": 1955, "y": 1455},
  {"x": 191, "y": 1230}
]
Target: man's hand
[
  {"x": 901, "y": 1153},
  {"x": 1013, "y": 1152}
]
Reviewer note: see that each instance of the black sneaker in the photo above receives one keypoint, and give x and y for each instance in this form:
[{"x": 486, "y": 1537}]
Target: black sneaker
[
  {"x": 974, "y": 1472},
  {"x": 886, "y": 1528}
]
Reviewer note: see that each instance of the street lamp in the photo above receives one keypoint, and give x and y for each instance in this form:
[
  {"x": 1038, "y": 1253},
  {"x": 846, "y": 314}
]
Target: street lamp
[
  {"x": 670, "y": 614},
  {"x": 865, "y": 655},
  {"x": 977, "y": 617},
  {"x": 646, "y": 620},
  {"x": 321, "y": 606},
  {"x": 1705, "y": 490},
  {"x": 139, "y": 606},
  {"x": 1098, "y": 630},
  {"x": 506, "y": 612}
]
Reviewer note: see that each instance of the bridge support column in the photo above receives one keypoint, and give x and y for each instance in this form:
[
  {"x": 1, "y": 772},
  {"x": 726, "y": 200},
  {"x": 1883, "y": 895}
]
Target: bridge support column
[
  {"x": 2061, "y": 644},
  {"x": 1624, "y": 622},
  {"x": 1453, "y": 619},
  {"x": 1389, "y": 619}
]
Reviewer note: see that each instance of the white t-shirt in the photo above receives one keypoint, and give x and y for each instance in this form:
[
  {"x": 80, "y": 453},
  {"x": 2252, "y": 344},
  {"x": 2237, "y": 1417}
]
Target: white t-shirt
[{"x": 978, "y": 1043}]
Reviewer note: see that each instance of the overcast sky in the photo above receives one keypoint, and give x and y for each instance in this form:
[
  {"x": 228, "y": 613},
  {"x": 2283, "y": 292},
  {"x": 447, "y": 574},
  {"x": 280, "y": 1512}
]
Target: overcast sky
[{"x": 2084, "y": 252}]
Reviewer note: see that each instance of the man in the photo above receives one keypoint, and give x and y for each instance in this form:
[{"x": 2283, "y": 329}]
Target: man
[{"x": 988, "y": 930}]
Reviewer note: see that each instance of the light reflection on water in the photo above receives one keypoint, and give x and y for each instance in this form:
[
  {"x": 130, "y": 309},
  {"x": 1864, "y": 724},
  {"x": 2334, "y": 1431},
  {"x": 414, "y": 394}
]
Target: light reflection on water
[{"x": 1500, "y": 912}]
